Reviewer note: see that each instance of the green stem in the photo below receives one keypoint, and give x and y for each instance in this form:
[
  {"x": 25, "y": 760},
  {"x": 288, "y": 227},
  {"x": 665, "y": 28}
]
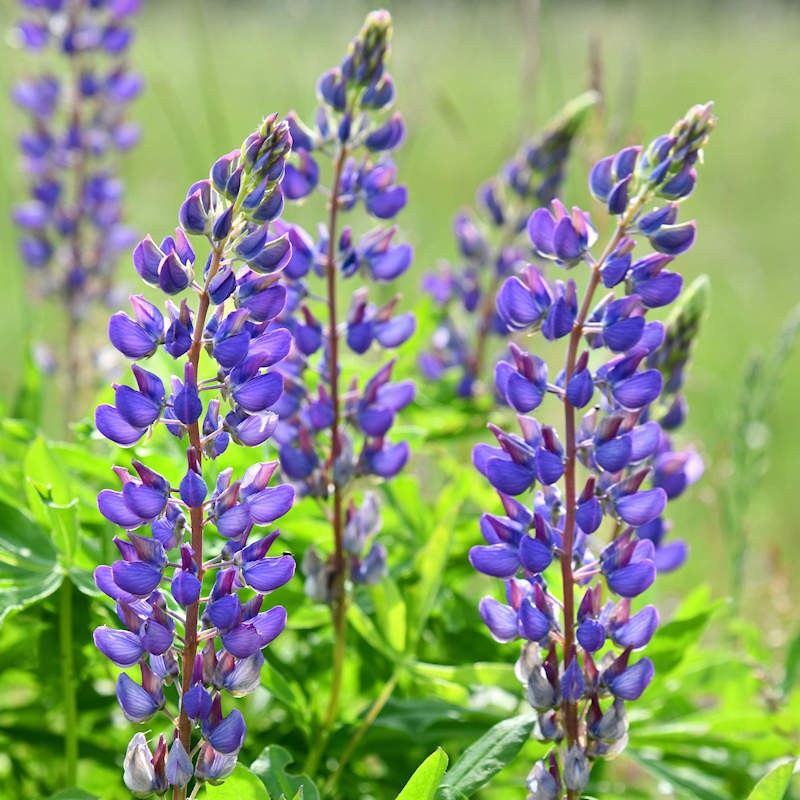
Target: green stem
[
  {"x": 68, "y": 684},
  {"x": 375, "y": 709}
]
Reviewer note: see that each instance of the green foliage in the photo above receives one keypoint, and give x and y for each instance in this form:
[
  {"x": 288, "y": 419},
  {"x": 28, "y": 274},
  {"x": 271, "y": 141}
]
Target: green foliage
[
  {"x": 241, "y": 785},
  {"x": 482, "y": 760},
  {"x": 29, "y": 569},
  {"x": 773, "y": 786},
  {"x": 270, "y": 769},
  {"x": 423, "y": 783}
]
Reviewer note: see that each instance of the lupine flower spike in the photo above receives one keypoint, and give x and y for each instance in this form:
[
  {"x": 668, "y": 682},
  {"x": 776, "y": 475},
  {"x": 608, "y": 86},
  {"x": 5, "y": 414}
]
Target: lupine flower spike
[
  {"x": 335, "y": 427},
  {"x": 595, "y": 523},
  {"x": 493, "y": 244},
  {"x": 193, "y": 624},
  {"x": 72, "y": 223}
]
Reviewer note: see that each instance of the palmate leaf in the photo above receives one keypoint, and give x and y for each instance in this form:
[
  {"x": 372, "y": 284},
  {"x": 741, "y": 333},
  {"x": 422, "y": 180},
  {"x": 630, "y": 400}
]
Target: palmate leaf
[
  {"x": 270, "y": 769},
  {"x": 73, "y": 794},
  {"x": 29, "y": 568}
]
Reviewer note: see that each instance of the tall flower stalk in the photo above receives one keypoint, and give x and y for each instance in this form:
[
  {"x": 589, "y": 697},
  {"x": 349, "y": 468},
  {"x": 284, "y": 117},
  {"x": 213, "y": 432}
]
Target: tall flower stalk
[
  {"x": 492, "y": 243},
  {"x": 578, "y": 642},
  {"x": 333, "y": 430},
  {"x": 200, "y": 631},
  {"x": 72, "y": 224}
]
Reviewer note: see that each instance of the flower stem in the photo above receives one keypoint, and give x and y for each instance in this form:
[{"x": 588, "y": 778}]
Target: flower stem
[
  {"x": 196, "y": 519},
  {"x": 68, "y": 684},
  {"x": 339, "y": 599},
  {"x": 570, "y": 710}
]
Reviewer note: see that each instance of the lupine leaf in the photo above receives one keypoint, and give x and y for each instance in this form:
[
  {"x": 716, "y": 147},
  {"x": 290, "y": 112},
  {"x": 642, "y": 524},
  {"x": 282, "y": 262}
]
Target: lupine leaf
[
  {"x": 774, "y": 784},
  {"x": 792, "y": 664},
  {"x": 696, "y": 785},
  {"x": 366, "y": 629},
  {"x": 390, "y": 612},
  {"x": 479, "y": 674},
  {"x": 270, "y": 767},
  {"x": 241, "y": 785},
  {"x": 481, "y": 761},
  {"x": 423, "y": 783},
  {"x": 29, "y": 569},
  {"x": 73, "y": 794},
  {"x": 431, "y": 559}
]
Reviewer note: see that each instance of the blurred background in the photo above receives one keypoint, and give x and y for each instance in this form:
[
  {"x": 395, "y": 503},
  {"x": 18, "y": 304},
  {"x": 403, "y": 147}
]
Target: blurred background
[{"x": 473, "y": 79}]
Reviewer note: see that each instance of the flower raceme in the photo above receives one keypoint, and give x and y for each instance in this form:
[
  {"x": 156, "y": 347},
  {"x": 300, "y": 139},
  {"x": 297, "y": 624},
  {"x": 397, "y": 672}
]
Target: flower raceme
[
  {"x": 493, "y": 246},
  {"x": 190, "y": 620},
  {"x": 577, "y": 660},
  {"x": 333, "y": 429},
  {"x": 72, "y": 223}
]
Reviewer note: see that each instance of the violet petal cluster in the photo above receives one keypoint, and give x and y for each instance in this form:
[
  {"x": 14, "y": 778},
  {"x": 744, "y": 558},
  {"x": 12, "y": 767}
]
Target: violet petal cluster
[
  {"x": 605, "y": 476},
  {"x": 492, "y": 244},
  {"x": 72, "y": 223},
  {"x": 333, "y": 428},
  {"x": 193, "y": 624}
]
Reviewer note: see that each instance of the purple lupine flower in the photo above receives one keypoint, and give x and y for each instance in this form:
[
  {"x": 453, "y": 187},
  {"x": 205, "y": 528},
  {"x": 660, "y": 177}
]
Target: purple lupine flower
[
  {"x": 335, "y": 421},
  {"x": 492, "y": 243},
  {"x": 210, "y": 640},
  {"x": 617, "y": 462},
  {"x": 72, "y": 225}
]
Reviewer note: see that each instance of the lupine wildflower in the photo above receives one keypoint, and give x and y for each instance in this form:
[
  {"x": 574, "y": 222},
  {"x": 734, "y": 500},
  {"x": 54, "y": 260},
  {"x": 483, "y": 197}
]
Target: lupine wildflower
[
  {"x": 332, "y": 430},
  {"x": 578, "y": 661},
  {"x": 492, "y": 243},
  {"x": 72, "y": 224},
  {"x": 190, "y": 620},
  {"x": 335, "y": 425}
]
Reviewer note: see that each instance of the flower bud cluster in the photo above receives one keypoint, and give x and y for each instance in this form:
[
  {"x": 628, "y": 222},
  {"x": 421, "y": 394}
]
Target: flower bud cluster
[
  {"x": 333, "y": 429},
  {"x": 72, "y": 223},
  {"x": 492, "y": 242},
  {"x": 577, "y": 656},
  {"x": 192, "y": 621}
]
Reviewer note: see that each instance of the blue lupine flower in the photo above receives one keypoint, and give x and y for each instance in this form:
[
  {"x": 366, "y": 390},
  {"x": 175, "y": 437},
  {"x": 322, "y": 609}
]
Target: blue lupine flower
[
  {"x": 334, "y": 426},
  {"x": 631, "y": 468},
  {"x": 169, "y": 560},
  {"x": 71, "y": 228}
]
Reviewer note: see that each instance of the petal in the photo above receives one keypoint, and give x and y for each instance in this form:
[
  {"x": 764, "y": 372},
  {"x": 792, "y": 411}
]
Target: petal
[
  {"x": 633, "y": 681},
  {"x": 124, "y": 648},
  {"x": 228, "y": 736},
  {"x": 532, "y": 624},
  {"x": 269, "y": 574},
  {"x": 499, "y": 618},
  {"x": 534, "y": 555},
  {"x": 632, "y": 580},
  {"x": 115, "y": 427},
  {"x": 638, "y": 630},
  {"x": 259, "y": 393},
  {"x": 137, "y": 577},
  {"x": 541, "y": 228},
  {"x": 270, "y": 504},
  {"x": 137, "y": 705},
  {"x": 641, "y": 507},
  {"x": 113, "y": 507},
  {"x": 508, "y": 476},
  {"x": 497, "y": 560},
  {"x": 639, "y": 390}
]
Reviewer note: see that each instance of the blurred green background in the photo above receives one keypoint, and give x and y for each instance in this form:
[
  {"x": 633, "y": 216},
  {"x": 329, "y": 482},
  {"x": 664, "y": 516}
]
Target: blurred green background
[{"x": 473, "y": 79}]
